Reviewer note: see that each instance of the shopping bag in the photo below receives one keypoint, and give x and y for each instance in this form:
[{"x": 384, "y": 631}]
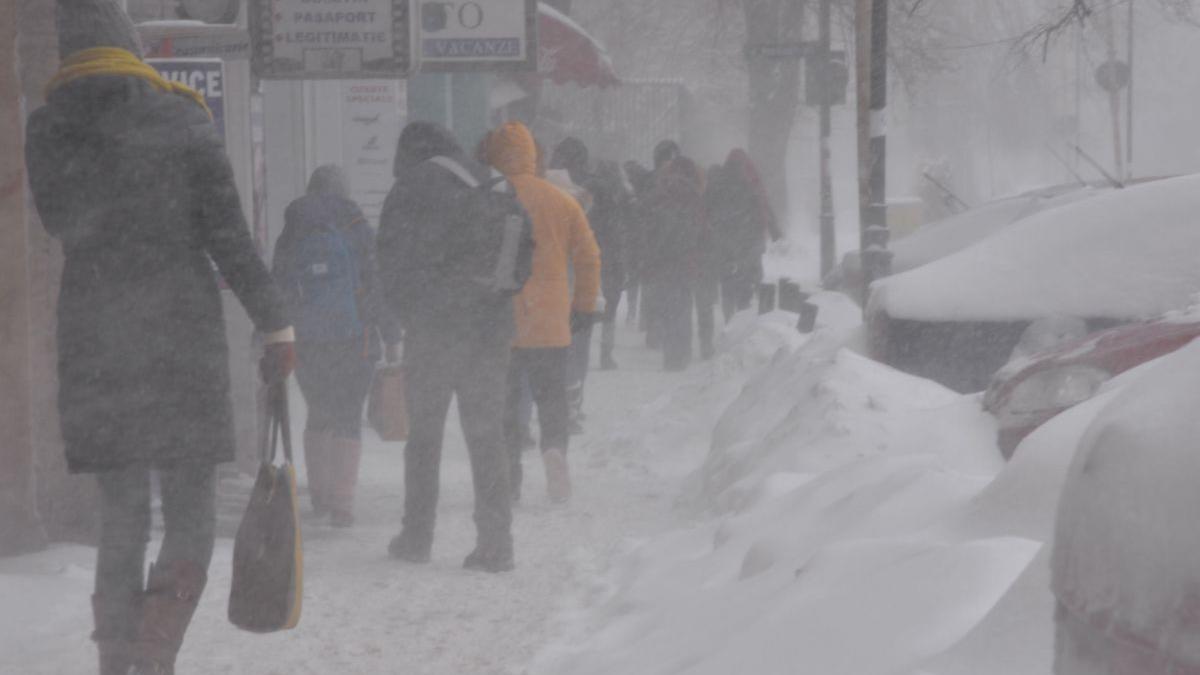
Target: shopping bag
[
  {"x": 386, "y": 409},
  {"x": 268, "y": 558}
]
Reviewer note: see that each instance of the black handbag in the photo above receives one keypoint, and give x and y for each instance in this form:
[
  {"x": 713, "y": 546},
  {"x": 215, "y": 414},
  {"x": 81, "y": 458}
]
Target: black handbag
[{"x": 268, "y": 556}]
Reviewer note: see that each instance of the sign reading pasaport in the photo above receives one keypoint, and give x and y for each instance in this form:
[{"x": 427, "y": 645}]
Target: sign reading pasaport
[
  {"x": 317, "y": 39},
  {"x": 460, "y": 35}
]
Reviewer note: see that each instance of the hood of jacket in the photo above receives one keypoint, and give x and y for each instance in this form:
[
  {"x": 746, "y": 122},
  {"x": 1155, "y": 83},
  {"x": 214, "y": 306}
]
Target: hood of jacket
[
  {"x": 512, "y": 151},
  {"x": 422, "y": 140}
]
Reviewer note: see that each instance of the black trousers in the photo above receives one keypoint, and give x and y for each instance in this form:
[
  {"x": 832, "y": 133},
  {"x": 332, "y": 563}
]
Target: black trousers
[
  {"x": 738, "y": 286},
  {"x": 674, "y": 302},
  {"x": 334, "y": 378},
  {"x": 189, "y": 513},
  {"x": 437, "y": 367},
  {"x": 546, "y": 370}
]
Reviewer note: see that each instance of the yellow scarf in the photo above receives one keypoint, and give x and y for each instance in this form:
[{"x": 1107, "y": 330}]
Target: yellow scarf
[{"x": 121, "y": 62}]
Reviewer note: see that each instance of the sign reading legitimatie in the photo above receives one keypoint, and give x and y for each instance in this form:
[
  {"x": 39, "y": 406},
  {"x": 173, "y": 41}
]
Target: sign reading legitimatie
[
  {"x": 316, "y": 39},
  {"x": 482, "y": 35}
]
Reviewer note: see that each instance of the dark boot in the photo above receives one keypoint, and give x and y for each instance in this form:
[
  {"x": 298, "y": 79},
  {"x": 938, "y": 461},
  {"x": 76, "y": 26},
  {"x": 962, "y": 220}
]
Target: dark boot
[
  {"x": 491, "y": 556},
  {"x": 172, "y": 593},
  {"x": 115, "y": 621},
  {"x": 411, "y": 547}
]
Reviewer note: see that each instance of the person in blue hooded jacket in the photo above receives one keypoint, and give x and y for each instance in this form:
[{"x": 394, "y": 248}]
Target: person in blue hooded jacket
[{"x": 325, "y": 265}]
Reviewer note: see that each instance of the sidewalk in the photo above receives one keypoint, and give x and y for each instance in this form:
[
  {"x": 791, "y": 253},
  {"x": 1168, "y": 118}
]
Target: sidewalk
[{"x": 367, "y": 614}]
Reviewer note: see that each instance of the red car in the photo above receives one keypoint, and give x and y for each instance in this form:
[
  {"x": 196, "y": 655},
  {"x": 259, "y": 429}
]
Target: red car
[{"x": 1026, "y": 393}]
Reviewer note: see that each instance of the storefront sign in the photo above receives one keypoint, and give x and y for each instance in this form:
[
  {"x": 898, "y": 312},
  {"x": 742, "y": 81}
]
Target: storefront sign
[
  {"x": 371, "y": 123},
  {"x": 316, "y": 39},
  {"x": 484, "y": 35},
  {"x": 206, "y": 76}
]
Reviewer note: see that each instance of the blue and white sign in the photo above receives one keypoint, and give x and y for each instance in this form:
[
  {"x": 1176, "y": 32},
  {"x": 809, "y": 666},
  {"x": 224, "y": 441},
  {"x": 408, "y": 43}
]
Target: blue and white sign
[
  {"x": 460, "y": 35},
  {"x": 206, "y": 76}
]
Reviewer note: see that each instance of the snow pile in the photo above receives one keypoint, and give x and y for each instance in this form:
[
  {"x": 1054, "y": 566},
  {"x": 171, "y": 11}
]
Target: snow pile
[
  {"x": 833, "y": 486},
  {"x": 1125, "y": 254},
  {"x": 1127, "y": 549}
]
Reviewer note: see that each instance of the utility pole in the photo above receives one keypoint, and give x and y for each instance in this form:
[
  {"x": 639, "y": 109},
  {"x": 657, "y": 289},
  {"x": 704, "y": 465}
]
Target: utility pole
[
  {"x": 828, "y": 229},
  {"x": 872, "y": 37},
  {"x": 1129, "y": 105}
]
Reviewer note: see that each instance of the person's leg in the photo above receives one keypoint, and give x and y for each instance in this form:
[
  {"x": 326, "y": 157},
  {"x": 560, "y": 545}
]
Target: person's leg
[
  {"x": 677, "y": 326},
  {"x": 705, "y": 297},
  {"x": 631, "y": 312},
  {"x": 608, "y": 332},
  {"x": 180, "y": 573},
  {"x": 428, "y": 389},
  {"x": 547, "y": 374},
  {"x": 312, "y": 376},
  {"x": 120, "y": 561},
  {"x": 351, "y": 382},
  {"x": 516, "y": 424},
  {"x": 481, "y": 388},
  {"x": 729, "y": 297},
  {"x": 652, "y": 308},
  {"x": 578, "y": 360}
]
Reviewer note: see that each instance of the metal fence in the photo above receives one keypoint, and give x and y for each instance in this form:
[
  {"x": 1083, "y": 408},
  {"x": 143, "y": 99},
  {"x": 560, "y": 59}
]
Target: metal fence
[{"x": 618, "y": 123}]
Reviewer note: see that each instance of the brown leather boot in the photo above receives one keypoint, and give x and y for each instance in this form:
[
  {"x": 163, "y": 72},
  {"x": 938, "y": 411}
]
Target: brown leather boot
[
  {"x": 317, "y": 447},
  {"x": 172, "y": 593},
  {"x": 345, "y": 455},
  {"x": 115, "y": 620},
  {"x": 558, "y": 475}
]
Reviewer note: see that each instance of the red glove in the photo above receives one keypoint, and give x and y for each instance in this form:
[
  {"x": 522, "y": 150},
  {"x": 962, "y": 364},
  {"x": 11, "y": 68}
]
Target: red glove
[{"x": 278, "y": 361}]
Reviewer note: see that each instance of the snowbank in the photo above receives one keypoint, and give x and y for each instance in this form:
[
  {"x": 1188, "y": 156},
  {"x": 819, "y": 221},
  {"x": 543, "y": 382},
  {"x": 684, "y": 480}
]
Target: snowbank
[{"x": 1126, "y": 254}]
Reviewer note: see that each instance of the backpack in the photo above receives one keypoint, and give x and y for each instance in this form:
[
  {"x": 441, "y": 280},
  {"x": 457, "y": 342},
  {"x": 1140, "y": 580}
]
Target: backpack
[
  {"x": 495, "y": 256},
  {"x": 329, "y": 281}
]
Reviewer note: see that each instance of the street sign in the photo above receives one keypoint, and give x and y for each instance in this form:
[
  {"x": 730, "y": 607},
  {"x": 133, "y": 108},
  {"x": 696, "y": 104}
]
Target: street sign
[
  {"x": 324, "y": 39},
  {"x": 1113, "y": 76},
  {"x": 206, "y": 76},
  {"x": 782, "y": 51},
  {"x": 477, "y": 35},
  {"x": 826, "y": 78}
]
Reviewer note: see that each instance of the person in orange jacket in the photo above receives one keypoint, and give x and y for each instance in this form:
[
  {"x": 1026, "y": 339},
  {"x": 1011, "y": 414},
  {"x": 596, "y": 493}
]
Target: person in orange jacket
[{"x": 547, "y": 312}]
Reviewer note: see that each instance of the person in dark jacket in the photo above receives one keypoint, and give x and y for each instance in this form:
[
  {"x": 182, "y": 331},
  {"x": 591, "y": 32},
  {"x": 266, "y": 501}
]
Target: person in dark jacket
[
  {"x": 129, "y": 174},
  {"x": 640, "y": 182},
  {"x": 676, "y": 209},
  {"x": 652, "y": 304},
  {"x": 456, "y": 341},
  {"x": 603, "y": 195},
  {"x": 741, "y": 219},
  {"x": 325, "y": 265}
]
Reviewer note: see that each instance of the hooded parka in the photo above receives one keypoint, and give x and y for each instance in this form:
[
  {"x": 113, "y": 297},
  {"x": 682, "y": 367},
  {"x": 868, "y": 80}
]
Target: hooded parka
[
  {"x": 134, "y": 182},
  {"x": 563, "y": 239}
]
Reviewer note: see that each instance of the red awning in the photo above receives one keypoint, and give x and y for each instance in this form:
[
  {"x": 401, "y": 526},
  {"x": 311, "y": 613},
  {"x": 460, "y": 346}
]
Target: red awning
[{"x": 566, "y": 53}]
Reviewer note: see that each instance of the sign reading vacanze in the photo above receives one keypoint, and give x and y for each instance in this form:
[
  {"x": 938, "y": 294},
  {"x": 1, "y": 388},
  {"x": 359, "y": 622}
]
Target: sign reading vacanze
[
  {"x": 483, "y": 35},
  {"x": 321, "y": 39}
]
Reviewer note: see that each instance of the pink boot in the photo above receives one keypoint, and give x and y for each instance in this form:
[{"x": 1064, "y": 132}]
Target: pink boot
[
  {"x": 345, "y": 454},
  {"x": 317, "y": 448}
]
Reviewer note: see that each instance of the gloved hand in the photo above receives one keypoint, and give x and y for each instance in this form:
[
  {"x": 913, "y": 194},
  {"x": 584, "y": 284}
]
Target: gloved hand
[
  {"x": 278, "y": 361},
  {"x": 581, "y": 321}
]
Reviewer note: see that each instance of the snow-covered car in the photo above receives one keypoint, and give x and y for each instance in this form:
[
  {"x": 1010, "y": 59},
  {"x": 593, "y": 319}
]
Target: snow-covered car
[
  {"x": 1124, "y": 256},
  {"x": 938, "y": 239},
  {"x": 1029, "y": 391}
]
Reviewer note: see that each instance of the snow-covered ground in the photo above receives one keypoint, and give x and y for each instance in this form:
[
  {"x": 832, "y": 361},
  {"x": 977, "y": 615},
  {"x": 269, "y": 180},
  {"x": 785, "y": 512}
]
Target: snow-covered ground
[
  {"x": 367, "y": 614},
  {"x": 789, "y": 507}
]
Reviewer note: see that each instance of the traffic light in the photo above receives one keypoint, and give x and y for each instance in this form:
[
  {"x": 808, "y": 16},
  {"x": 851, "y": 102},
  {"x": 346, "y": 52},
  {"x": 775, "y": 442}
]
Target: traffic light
[{"x": 826, "y": 78}]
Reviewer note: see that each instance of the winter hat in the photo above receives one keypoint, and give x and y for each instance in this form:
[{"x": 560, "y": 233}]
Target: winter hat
[
  {"x": 84, "y": 24},
  {"x": 572, "y": 155},
  {"x": 329, "y": 179},
  {"x": 664, "y": 152},
  {"x": 422, "y": 140}
]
